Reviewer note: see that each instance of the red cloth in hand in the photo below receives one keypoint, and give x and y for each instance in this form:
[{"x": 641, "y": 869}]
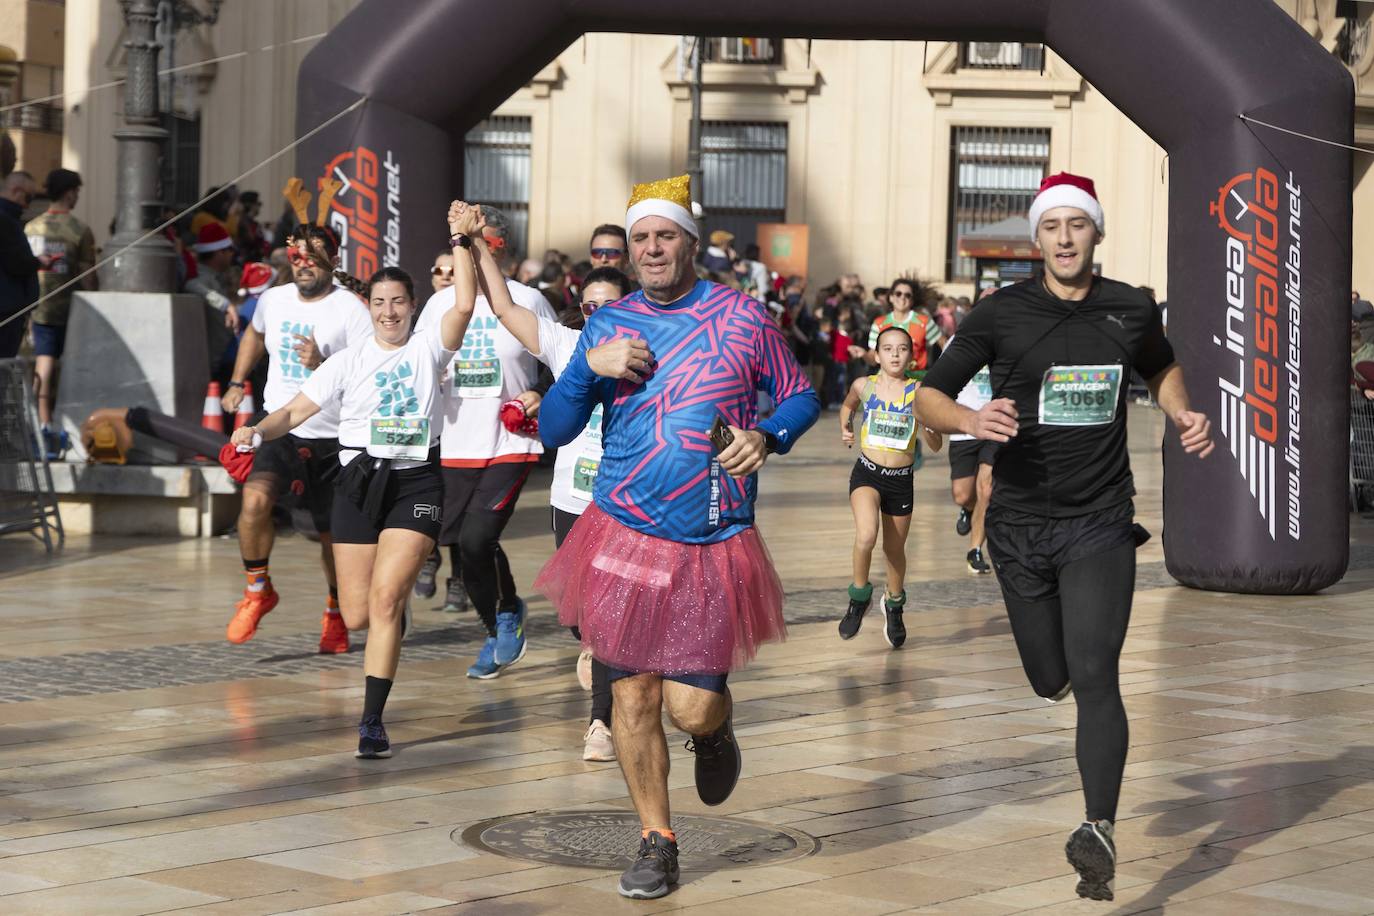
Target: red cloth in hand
[
  {"x": 238, "y": 464},
  {"x": 514, "y": 419}
]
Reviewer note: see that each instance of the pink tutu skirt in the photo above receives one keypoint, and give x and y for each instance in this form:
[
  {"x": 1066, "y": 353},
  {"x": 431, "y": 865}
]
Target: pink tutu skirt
[{"x": 651, "y": 605}]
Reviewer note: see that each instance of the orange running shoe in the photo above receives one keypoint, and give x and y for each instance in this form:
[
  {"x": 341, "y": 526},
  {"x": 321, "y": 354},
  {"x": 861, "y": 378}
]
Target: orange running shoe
[
  {"x": 333, "y": 635},
  {"x": 248, "y": 612}
]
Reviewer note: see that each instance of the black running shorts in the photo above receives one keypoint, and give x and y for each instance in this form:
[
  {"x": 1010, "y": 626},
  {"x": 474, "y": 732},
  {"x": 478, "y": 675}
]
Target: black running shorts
[
  {"x": 1029, "y": 550},
  {"x": 966, "y": 454},
  {"x": 896, "y": 486},
  {"x": 414, "y": 499},
  {"x": 304, "y": 469}
]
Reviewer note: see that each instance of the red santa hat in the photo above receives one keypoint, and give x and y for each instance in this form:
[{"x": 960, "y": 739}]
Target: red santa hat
[
  {"x": 256, "y": 279},
  {"x": 1065, "y": 190},
  {"x": 212, "y": 237}
]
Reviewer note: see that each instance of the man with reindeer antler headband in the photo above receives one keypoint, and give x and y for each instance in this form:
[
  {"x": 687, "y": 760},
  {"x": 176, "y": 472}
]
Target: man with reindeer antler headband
[{"x": 298, "y": 326}]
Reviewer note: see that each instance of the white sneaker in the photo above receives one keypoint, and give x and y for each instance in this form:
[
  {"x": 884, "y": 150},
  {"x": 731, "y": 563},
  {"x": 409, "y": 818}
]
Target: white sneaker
[
  {"x": 584, "y": 670},
  {"x": 597, "y": 744}
]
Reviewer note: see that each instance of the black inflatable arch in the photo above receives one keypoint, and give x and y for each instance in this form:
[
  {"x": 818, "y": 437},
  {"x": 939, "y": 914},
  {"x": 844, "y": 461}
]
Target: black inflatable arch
[{"x": 1259, "y": 220}]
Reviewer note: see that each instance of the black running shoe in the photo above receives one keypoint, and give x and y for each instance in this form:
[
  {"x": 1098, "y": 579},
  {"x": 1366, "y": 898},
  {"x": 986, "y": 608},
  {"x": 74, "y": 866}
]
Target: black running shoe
[
  {"x": 854, "y": 617},
  {"x": 894, "y": 631},
  {"x": 372, "y": 740},
  {"x": 964, "y": 524},
  {"x": 718, "y": 762},
  {"x": 456, "y": 596},
  {"x": 1092, "y": 852},
  {"x": 976, "y": 564},
  {"x": 654, "y": 872},
  {"x": 425, "y": 586}
]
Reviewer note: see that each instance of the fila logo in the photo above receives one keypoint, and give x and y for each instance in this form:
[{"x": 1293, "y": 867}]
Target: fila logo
[{"x": 426, "y": 511}]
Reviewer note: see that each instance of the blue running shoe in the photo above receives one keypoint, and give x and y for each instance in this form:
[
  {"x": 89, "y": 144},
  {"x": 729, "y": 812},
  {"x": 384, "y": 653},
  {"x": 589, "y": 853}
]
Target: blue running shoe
[
  {"x": 485, "y": 667},
  {"x": 510, "y": 635},
  {"x": 372, "y": 741}
]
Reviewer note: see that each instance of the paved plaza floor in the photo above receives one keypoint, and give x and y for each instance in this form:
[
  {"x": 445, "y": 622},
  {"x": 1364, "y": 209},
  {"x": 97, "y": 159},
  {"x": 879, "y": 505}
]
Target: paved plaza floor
[{"x": 148, "y": 766}]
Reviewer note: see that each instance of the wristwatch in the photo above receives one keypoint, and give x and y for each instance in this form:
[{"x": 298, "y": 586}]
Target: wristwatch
[
  {"x": 460, "y": 241},
  {"x": 770, "y": 442},
  {"x": 233, "y": 384}
]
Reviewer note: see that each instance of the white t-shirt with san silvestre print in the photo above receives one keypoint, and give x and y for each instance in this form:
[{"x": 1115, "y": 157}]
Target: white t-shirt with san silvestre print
[
  {"x": 336, "y": 321},
  {"x": 387, "y": 400},
  {"x": 974, "y": 395},
  {"x": 575, "y": 469},
  {"x": 489, "y": 369}
]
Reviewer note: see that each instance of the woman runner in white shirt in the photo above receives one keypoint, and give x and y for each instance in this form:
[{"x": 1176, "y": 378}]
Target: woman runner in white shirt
[{"x": 388, "y": 502}]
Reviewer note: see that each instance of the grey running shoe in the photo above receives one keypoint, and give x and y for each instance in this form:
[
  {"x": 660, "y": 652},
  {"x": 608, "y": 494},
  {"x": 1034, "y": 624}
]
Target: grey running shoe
[
  {"x": 456, "y": 597},
  {"x": 964, "y": 523},
  {"x": 654, "y": 872},
  {"x": 425, "y": 586},
  {"x": 894, "y": 631},
  {"x": 718, "y": 762},
  {"x": 976, "y": 564},
  {"x": 1092, "y": 852}
]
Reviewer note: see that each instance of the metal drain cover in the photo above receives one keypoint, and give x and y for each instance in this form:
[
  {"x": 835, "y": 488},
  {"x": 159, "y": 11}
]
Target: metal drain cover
[{"x": 609, "y": 840}]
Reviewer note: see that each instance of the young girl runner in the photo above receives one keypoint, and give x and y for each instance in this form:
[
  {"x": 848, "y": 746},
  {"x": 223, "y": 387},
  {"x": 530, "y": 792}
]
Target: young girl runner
[
  {"x": 882, "y": 484},
  {"x": 389, "y": 499}
]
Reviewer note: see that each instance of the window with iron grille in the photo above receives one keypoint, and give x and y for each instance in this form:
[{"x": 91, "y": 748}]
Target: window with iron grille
[
  {"x": 496, "y": 172},
  {"x": 994, "y": 174},
  {"x": 744, "y": 173},
  {"x": 1001, "y": 55},
  {"x": 743, "y": 51}
]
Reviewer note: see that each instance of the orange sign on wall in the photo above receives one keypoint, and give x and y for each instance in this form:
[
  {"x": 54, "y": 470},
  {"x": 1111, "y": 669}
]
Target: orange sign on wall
[{"x": 783, "y": 247}]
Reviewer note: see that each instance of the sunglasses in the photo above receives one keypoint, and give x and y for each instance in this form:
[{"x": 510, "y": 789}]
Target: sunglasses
[
  {"x": 899, "y": 295},
  {"x": 444, "y": 272},
  {"x": 299, "y": 258},
  {"x": 607, "y": 253}
]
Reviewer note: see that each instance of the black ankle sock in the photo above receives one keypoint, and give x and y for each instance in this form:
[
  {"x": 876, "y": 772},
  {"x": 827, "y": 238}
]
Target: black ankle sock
[
  {"x": 255, "y": 564},
  {"x": 374, "y": 699},
  {"x": 334, "y": 593}
]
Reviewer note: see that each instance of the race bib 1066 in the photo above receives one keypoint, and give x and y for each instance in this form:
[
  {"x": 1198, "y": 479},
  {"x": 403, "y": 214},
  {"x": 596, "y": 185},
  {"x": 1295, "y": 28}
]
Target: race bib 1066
[{"x": 1079, "y": 395}]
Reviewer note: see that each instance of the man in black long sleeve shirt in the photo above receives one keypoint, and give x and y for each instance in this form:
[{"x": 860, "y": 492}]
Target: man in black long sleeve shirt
[
  {"x": 18, "y": 266},
  {"x": 1060, "y": 525}
]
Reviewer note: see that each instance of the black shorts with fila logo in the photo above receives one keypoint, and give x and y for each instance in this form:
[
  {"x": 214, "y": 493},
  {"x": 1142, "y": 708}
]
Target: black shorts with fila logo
[{"x": 414, "y": 500}]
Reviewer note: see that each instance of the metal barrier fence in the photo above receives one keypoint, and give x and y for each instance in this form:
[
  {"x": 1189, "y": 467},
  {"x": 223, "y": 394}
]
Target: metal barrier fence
[
  {"x": 1361, "y": 451},
  {"x": 27, "y": 500}
]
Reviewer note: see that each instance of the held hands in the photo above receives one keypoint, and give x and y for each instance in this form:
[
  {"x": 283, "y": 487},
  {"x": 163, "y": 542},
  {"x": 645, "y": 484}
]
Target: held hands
[
  {"x": 745, "y": 455},
  {"x": 1195, "y": 432},
  {"x": 308, "y": 352},
  {"x": 995, "y": 421},
  {"x": 625, "y": 358},
  {"x": 463, "y": 218}
]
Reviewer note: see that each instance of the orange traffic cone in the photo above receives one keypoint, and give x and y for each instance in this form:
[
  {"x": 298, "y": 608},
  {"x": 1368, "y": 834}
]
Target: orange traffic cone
[
  {"x": 212, "y": 417},
  {"x": 244, "y": 415}
]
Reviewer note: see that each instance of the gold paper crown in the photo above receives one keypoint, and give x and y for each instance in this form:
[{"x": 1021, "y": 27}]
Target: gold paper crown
[{"x": 677, "y": 190}]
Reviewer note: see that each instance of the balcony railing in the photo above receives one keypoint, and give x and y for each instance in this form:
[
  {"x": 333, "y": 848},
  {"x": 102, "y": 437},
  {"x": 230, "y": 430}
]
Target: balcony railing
[
  {"x": 763, "y": 51},
  {"x": 1000, "y": 55},
  {"x": 38, "y": 117}
]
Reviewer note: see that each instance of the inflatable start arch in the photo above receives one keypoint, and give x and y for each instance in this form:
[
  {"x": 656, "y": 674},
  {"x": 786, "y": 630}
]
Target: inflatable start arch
[{"x": 1259, "y": 220}]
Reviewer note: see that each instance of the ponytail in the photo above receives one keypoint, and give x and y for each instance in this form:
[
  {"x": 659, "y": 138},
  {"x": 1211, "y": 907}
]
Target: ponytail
[{"x": 352, "y": 284}]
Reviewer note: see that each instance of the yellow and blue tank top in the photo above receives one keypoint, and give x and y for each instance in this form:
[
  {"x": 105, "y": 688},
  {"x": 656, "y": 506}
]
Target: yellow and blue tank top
[{"x": 888, "y": 427}]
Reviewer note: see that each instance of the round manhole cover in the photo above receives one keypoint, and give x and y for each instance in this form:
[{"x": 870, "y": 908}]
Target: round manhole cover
[{"x": 609, "y": 840}]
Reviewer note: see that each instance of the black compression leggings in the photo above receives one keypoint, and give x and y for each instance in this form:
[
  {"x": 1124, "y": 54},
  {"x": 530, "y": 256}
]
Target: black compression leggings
[
  {"x": 486, "y": 571},
  {"x": 601, "y": 677},
  {"x": 1076, "y": 639}
]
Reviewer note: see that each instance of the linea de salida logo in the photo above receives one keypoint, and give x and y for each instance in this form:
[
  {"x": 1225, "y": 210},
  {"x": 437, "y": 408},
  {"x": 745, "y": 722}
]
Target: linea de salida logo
[{"x": 1261, "y": 391}]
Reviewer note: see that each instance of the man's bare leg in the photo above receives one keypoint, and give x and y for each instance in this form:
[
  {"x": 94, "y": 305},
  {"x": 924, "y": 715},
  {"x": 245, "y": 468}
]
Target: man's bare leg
[{"x": 641, "y": 746}]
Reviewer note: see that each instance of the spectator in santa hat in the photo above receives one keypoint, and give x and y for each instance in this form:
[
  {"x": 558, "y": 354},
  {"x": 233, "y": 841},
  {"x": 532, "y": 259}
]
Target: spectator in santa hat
[{"x": 214, "y": 255}]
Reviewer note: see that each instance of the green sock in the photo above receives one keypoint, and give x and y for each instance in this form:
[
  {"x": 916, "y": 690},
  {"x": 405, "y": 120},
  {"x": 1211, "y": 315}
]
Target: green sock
[
  {"x": 861, "y": 594},
  {"x": 897, "y": 600}
]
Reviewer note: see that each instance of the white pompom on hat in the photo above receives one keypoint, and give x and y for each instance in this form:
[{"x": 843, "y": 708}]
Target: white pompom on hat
[{"x": 1066, "y": 190}]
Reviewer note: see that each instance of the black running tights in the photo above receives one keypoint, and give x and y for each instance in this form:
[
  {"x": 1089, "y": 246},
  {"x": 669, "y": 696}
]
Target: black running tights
[
  {"x": 1076, "y": 639},
  {"x": 486, "y": 571},
  {"x": 601, "y": 677}
]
